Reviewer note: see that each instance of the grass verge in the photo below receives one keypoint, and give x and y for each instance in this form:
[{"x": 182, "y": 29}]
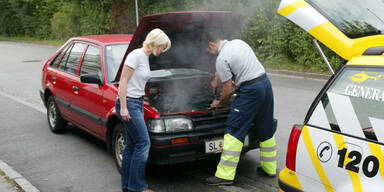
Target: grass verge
[
  {"x": 284, "y": 63},
  {"x": 11, "y": 182},
  {"x": 32, "y": 40}
]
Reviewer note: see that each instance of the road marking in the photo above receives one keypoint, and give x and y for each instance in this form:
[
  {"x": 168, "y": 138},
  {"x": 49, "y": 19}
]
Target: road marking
[
  {"x": 40, "y": 109},
  {"x": 31, "y": 61}
]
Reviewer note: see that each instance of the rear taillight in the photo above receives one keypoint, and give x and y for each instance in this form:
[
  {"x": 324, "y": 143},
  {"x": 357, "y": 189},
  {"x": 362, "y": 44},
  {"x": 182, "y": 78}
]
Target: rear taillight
[{"x": 290, "y": 161}]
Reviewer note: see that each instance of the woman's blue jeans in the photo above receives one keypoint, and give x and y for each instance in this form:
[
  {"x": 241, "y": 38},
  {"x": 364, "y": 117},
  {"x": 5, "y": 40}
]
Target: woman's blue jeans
[{"x": 137, "y": 146}]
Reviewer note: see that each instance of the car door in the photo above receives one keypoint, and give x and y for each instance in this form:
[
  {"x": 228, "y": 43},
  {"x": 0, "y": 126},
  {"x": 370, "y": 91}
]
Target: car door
[
  {"x": 89, "y": 100},
  {"x": 341, "y": 146},
  {"x": 53, "y": 73},
  {"x": 67, "y": 79}
]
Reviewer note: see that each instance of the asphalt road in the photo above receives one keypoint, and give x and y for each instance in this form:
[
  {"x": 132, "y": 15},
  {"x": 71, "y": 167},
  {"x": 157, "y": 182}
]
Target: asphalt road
[{"x": 77, "y": 162}]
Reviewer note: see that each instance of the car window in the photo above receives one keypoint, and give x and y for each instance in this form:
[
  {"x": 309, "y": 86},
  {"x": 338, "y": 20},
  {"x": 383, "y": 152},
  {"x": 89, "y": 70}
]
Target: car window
[
  {"x": 74, "y": 57},
  {"x": 353, "y": 104},
  {"x": 91, "y": 61},
  {"x": 59, "y": 57},
  {"x": 113, "y": 57},
  {"x": 63, "y": 62},
  {"x": 356, "y": 18}
]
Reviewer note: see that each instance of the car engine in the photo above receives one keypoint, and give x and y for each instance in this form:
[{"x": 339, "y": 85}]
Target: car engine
[{"x": 179, "y": 90}]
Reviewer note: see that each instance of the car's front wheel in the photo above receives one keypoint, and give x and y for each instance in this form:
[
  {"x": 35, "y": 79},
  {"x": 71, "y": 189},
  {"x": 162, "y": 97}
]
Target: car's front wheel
[
  {"x": 118, "y": 143},
  {"x": 56, "y": 123}
]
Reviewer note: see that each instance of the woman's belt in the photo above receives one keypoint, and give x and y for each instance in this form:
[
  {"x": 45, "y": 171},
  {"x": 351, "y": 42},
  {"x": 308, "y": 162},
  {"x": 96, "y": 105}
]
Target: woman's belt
[{"x": 140, "y": 98}]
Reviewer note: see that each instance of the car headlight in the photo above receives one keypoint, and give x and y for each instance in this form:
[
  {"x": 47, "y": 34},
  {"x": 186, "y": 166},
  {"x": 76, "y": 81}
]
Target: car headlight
[
  {"x": 169, "y": 125},
  {"x": 178, "y": 124},
  {"x": 156, "y": 126}
]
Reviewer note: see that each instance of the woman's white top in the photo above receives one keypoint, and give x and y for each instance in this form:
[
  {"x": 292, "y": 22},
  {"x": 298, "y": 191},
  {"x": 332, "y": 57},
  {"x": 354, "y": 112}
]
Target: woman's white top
[{"x": 139, "y": 61}]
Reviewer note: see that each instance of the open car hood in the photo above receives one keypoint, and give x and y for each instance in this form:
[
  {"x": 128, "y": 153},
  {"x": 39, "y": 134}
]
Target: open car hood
[
  {"x": 183, "y": 29},
  {"x": 348, "y": 27}
]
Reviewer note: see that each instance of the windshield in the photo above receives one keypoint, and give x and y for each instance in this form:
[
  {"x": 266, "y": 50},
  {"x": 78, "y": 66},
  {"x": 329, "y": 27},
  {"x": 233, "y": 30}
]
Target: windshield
[
  {"x": 356, "y": 18},
  {"x": 113, "y": 57}
]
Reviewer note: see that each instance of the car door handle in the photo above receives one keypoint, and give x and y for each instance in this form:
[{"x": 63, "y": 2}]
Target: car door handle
[
  {"x": 54, "y": 80},
  {"x": 76, "y": 89}
]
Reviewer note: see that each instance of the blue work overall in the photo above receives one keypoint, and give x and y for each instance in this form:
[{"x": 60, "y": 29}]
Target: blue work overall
[{"x": 253, "y": 104}]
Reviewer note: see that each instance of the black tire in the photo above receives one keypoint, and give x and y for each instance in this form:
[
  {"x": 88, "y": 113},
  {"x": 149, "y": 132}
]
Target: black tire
[
  {"x": 118, "y": 143},
  {"x": 55, "y": 121}
]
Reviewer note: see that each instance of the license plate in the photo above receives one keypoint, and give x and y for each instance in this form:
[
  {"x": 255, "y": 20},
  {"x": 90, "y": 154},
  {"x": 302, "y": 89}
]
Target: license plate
[{"x": 214, "y": 146}]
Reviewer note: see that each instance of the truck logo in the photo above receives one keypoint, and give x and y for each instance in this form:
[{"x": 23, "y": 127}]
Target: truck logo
[{"x": 324, "y": 152}]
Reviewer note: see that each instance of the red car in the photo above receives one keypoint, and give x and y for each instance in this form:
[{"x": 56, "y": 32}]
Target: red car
[{"x": 79, "y": 86}]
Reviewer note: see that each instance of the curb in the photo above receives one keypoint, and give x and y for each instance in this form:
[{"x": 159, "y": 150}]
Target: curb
[
  {"x": 299, "y": 74},
  {"x": 20, "y": 181}
]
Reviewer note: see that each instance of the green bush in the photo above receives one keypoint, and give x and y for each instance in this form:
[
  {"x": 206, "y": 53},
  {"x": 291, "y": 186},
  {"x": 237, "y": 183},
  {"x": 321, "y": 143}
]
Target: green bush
[
  {"x": 95, "y": 17},
  {"x": 61, "y": 23},
  {"x": 272, "y": 35},
  {"x": 44, "y": 11}
]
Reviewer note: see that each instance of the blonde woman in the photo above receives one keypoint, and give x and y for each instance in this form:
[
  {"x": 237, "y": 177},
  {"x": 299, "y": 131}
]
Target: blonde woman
[{"x": 129, "y": 107}]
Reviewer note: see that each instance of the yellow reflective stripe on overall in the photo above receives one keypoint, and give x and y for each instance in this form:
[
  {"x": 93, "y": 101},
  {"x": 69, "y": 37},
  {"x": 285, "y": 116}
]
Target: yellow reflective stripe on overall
[
  {"x": 315, "y": 161},
  {"x": 230, "y": 157},
  {"x": 354, "y": 176},
  {"x": 268, "y": 155},
  {"x": 378, "y": 152}
]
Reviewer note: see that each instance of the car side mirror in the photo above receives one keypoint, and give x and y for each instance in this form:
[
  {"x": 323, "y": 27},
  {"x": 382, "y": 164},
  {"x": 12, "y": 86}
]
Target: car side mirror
[{"x": 92, "y": 78}]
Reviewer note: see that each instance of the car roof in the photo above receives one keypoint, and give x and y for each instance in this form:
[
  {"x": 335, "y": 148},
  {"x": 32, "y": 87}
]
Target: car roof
[
  {"x": 370, "y": 60},
  {"x": 106, "y": 38}
]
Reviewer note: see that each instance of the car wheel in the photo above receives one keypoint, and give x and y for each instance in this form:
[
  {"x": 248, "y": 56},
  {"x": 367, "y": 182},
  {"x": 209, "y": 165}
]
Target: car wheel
[
  {"x": 118, "y": 143},
  {"x": 56, "y": 123}
]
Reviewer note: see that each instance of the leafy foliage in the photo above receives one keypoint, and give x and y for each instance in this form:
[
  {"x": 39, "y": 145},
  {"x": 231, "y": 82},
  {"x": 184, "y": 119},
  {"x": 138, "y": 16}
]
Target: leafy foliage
[
  {"x": 270, "y": 35},
  {"x": 62, "y": 21},
  {"x": 95, "y": 17}
]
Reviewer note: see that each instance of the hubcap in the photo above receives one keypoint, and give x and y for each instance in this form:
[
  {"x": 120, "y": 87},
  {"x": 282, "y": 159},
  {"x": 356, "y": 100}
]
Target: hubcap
[
  {"x": 119, "y": 148},
  {"x": 52, "y": 114}
]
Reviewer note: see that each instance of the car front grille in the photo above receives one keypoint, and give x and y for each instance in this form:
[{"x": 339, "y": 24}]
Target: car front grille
[
  {"x": 209, "y": 122},
  {"x": 211, "y": 137}
]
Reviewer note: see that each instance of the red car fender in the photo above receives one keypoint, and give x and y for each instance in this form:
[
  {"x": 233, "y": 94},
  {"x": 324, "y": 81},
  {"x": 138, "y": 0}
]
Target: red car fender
[
  {"x": 49, "y": 87},
  {"x": 111, "y": 113},
  {"x": 150, "y": 113}
]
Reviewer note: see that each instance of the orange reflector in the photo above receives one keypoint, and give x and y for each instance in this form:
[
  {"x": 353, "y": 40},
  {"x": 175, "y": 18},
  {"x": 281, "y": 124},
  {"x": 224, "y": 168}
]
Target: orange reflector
[{"x": 179, "y": 140}]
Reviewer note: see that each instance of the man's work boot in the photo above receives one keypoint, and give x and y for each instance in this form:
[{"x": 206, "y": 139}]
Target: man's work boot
[
  {"x": 261, "y": 172},
  {"x": 217, "y": 181}
]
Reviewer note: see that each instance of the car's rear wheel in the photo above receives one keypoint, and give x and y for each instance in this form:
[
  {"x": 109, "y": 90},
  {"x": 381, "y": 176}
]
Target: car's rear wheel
[
  {"x": 118, "y": 143},
  {"x": 55, "y": 121}
]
